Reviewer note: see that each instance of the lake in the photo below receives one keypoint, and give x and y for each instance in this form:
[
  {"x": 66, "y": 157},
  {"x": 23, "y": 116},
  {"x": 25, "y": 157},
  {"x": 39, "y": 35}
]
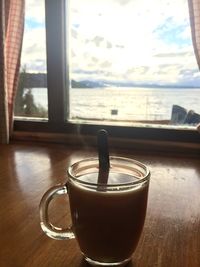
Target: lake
[{"x": 125, "y": 103}]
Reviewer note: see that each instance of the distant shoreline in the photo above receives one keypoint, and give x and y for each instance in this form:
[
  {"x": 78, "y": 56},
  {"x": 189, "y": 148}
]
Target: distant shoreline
[
  {"x": 39, "y": 80},
  {"x": 124, "y": 87}
]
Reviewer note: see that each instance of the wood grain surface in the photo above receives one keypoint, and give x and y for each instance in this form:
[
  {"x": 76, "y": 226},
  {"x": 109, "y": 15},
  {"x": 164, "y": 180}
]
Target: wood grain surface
[{"x": 171, "y": 235}]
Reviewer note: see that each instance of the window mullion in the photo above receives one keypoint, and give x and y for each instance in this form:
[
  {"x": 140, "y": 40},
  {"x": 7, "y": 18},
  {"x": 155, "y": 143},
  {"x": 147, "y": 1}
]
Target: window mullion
[{"x": 57, "y": 78}]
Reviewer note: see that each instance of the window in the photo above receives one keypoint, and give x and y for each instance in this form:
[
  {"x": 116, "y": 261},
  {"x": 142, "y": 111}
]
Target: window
[
  {"x": 132, "y": 61},
  {"x": 86, "y": 62},
  {"x": 31, "y": 99}
]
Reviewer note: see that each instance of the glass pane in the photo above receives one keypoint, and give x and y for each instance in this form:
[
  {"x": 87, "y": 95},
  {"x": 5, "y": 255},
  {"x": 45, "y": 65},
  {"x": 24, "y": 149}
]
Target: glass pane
[
  {"x": 31, "y": 98},
  {"x": 133, "y": 61}
]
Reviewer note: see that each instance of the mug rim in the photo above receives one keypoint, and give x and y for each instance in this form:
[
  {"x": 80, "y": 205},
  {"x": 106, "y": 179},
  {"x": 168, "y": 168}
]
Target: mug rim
[{"x": 125, "y": 184}]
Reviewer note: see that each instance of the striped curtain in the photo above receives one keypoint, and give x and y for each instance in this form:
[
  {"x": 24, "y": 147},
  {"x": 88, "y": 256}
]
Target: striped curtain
[
  {"x": 11, "y": 34},
  {"x": 194, "y": 10}
]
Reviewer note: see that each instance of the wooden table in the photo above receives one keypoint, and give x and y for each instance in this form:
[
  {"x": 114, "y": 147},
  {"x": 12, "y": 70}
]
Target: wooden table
[{"x": 171, "y": 235}]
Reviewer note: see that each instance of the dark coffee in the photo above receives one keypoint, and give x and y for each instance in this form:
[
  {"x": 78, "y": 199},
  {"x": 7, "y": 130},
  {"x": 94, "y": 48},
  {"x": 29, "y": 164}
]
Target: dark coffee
[{"x": 108, "y": 224}]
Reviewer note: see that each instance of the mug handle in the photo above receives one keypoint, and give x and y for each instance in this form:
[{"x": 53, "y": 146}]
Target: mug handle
[{"x": 47, "y": 227}]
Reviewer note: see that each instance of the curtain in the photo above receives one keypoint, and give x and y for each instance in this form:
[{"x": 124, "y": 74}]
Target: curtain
[
  {"x": 11, "y": 35},
  {"x": 194, "y": 10}
]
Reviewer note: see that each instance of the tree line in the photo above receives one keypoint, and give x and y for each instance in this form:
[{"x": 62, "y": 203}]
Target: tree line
[{"x": 25, "y": 105}]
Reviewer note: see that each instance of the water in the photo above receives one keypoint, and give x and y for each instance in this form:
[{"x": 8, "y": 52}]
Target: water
[{"x": 128, "y": 103}]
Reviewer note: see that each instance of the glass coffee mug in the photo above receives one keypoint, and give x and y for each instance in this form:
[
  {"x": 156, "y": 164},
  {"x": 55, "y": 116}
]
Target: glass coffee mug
[{"x": 107, "y": 219}]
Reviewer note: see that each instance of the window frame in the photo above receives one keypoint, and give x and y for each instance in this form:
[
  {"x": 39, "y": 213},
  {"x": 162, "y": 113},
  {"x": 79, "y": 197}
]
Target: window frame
[{"x": 58, "y": 92}]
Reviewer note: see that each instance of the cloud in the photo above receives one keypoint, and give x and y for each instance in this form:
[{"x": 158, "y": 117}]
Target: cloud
[
  {"x": 74, "y": 33},
  {"x": 35, "y": 10},
  {"x": 35, "y": 66},
  {"x": 188, "y": 73},
  {"x": 73, "y": 54},
  {"x": 140, "y": 70},
  {"x": 98, "y": 40},
  {"x": 76, "y": 25},
  {"x": 177, "y": 54},
  {"x": 34, "y": 42},
  {"x": 80, "y": 71},
  {"x": 123, "y": 39},
  {"x": 106, "y": 64},
  {"x": 119, "y": 46},
  {"x": 109, "y": 44},
  {"x": 94, "y": 59},
  {"x": 122, "y": 2},
  {"x": 169, "y": 69},
  {"x": 34, "y": 50},
  {"x": 189, "y": 77}
]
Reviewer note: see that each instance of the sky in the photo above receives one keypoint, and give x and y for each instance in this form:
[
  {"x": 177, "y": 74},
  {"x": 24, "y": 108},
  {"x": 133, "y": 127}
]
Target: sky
[{"x": 119, "y": 40}]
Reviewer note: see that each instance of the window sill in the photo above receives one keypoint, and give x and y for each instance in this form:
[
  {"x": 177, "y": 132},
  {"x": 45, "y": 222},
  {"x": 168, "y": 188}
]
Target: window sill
[{"x": 186, "y": 149}]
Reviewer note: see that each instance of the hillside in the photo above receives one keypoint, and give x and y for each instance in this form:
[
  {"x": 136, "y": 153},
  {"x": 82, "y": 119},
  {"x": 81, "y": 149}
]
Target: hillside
[{"x": 39, "y": 80}]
